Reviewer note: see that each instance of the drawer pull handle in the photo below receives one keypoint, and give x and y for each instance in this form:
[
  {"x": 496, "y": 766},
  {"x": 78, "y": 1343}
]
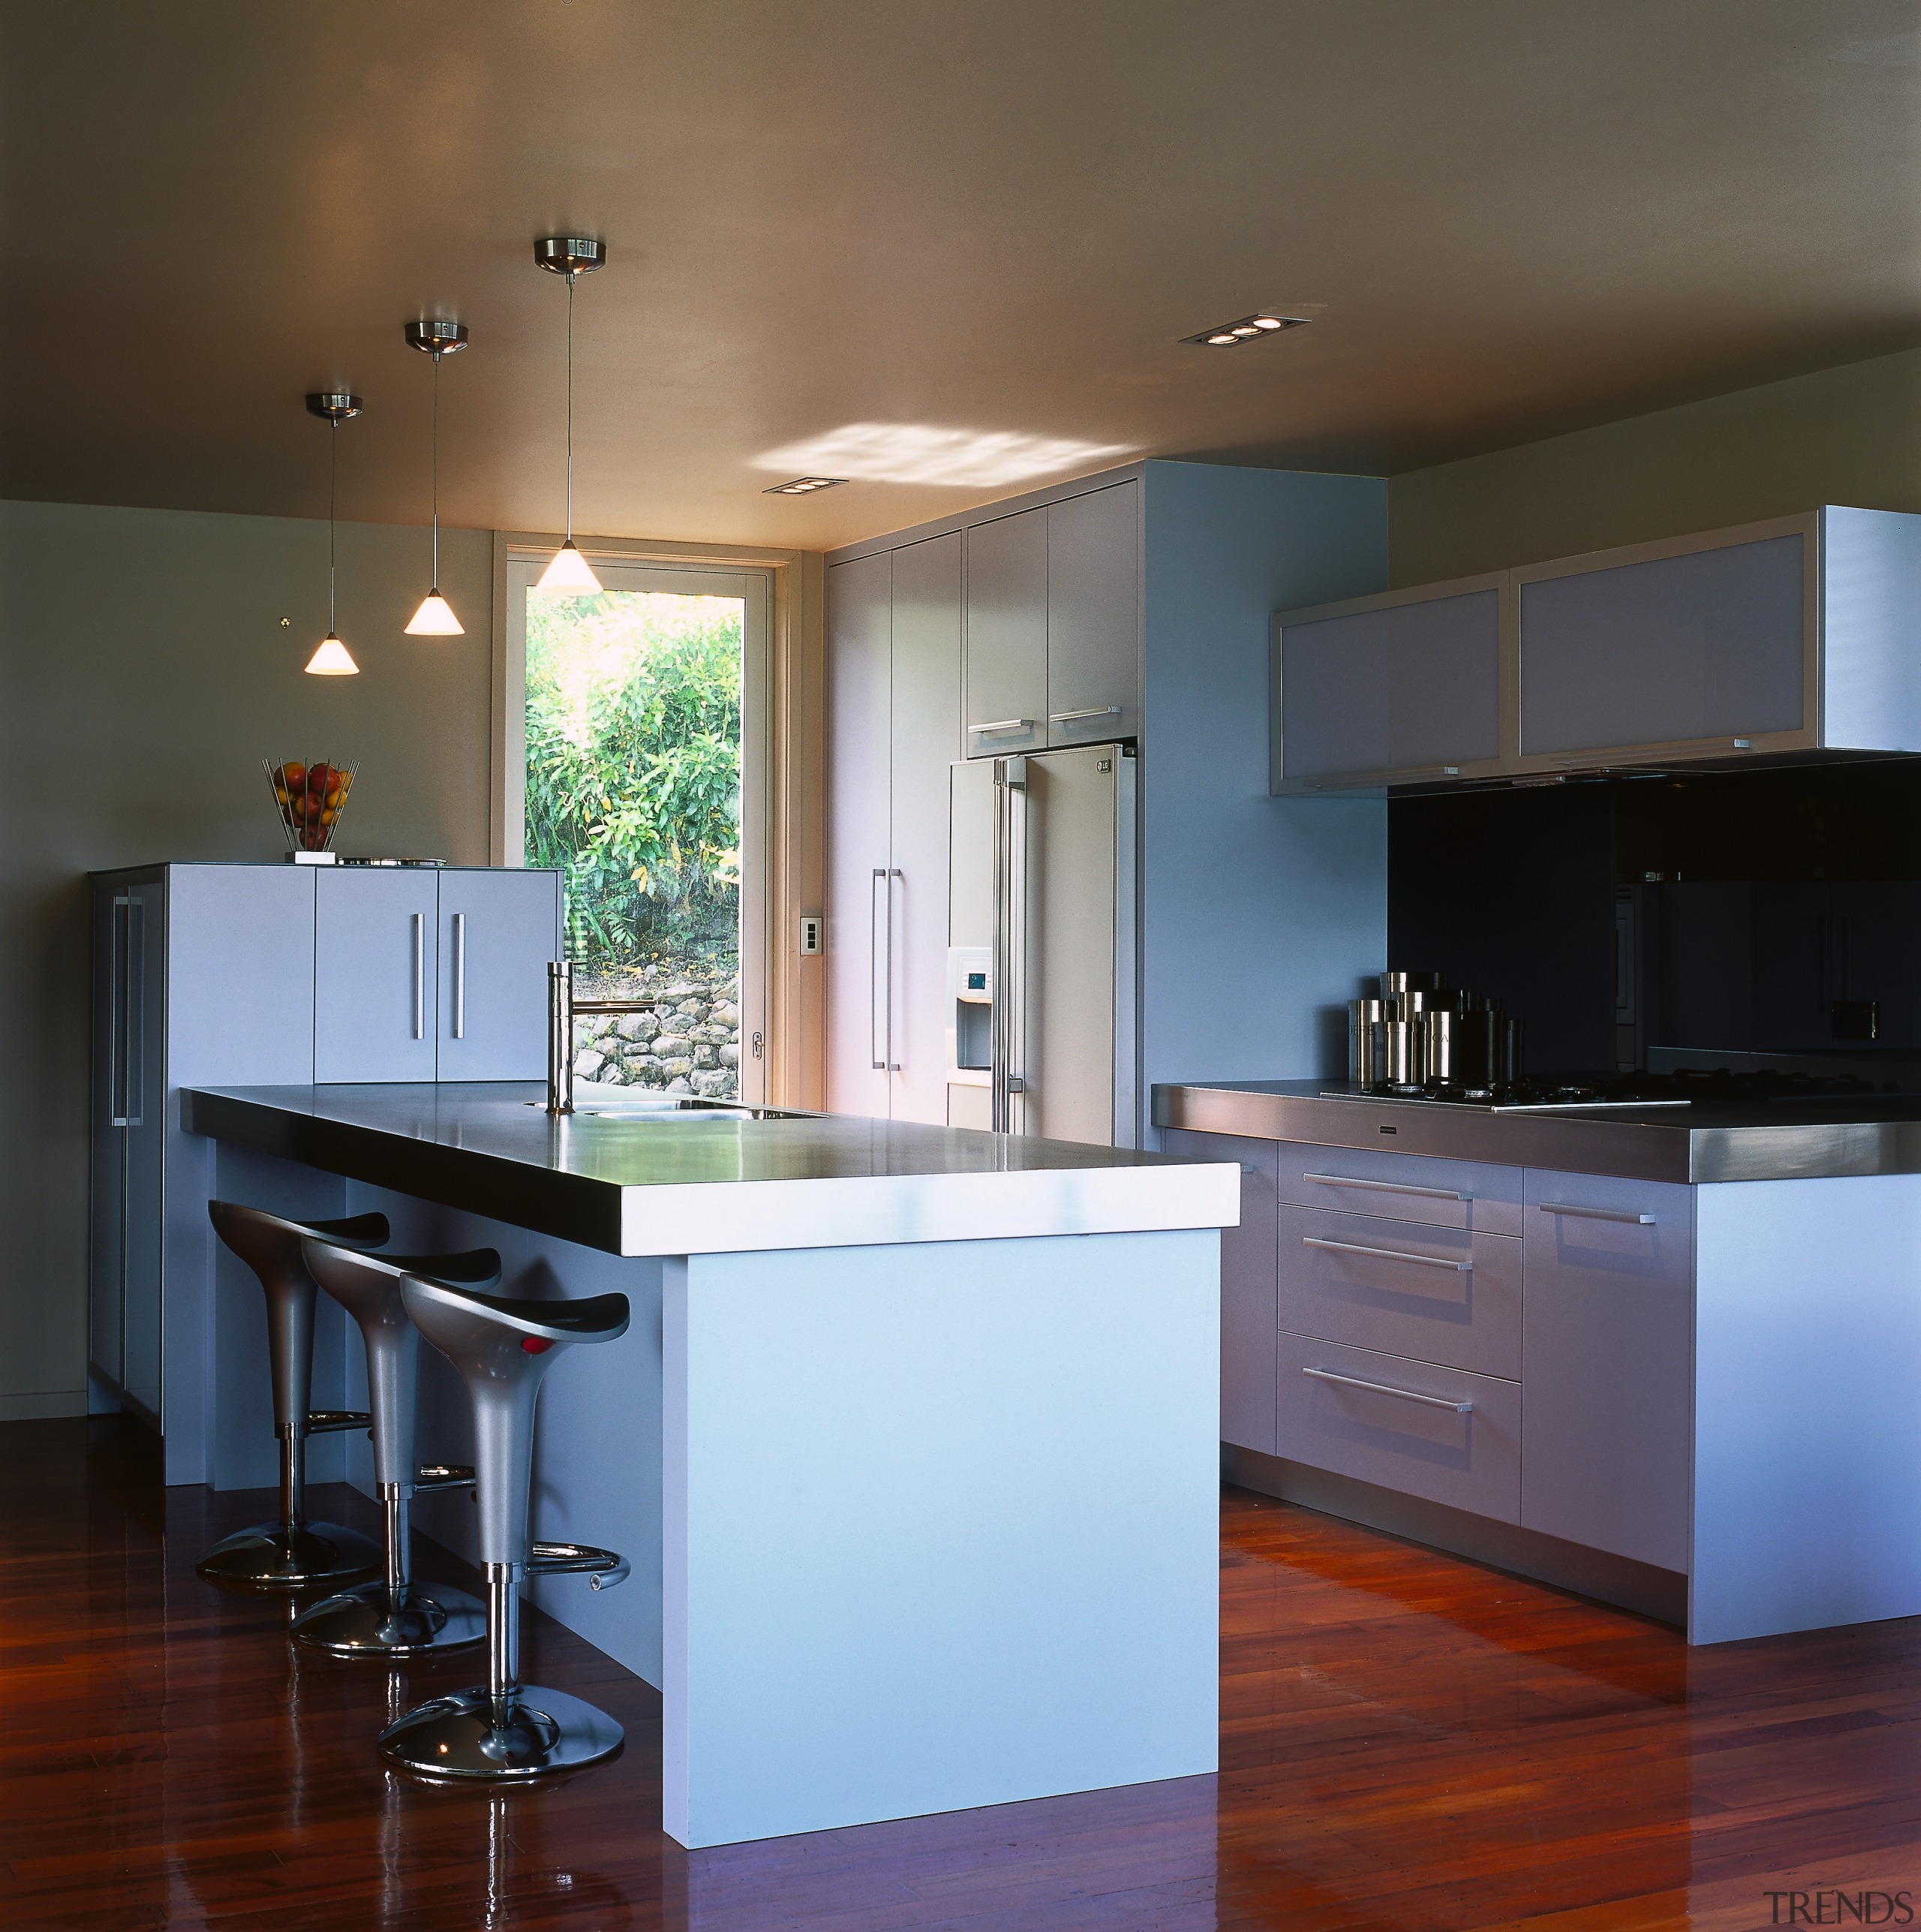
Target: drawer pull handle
[
  {"x": 1388, "y": 1388},
  {"x": 1081, "y": 716},
  {"x": 1388, "y": 1253},
  {"x": 1001, "y": 726},
  {"x": 1596, "y": 1213},
  {"x": 1387, "y": 1187}
]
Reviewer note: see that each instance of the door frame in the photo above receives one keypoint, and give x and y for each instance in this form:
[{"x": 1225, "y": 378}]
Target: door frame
[{"x": 783, "y": 766}]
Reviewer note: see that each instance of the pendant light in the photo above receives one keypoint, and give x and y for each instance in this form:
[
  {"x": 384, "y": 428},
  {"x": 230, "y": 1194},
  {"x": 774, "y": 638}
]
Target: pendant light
[
  {"x": 573, "y": 256},
  {"x": 435, "y": 617},
  {"x": 333, "y": 407}
]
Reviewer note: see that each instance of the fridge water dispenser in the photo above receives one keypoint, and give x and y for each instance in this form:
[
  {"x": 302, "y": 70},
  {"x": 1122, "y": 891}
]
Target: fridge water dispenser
[{"x": 970, "y": 1004}]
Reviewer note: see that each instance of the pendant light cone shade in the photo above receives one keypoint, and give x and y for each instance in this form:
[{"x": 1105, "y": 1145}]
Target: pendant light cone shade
[
  {"x": 568, "y": 573},
  {"x": 435, "y": 617},
  {"x": 332, "y": 659}
]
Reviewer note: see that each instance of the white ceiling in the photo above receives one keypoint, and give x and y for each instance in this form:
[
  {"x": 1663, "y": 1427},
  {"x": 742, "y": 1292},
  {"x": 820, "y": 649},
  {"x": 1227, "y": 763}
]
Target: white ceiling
[{"x": 889, "y": 222}]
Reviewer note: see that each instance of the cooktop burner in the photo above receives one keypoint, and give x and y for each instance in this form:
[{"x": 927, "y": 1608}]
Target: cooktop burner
[{"x": 1546, "y": 1094}]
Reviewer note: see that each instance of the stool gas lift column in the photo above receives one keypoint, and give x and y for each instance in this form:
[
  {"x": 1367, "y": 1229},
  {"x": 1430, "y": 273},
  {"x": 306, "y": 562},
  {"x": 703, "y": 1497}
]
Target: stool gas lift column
[
  {"x": 292, "y": 1553},
  {"x": 503, "y": 1348},
  {"x": 394, "y": 1617}
]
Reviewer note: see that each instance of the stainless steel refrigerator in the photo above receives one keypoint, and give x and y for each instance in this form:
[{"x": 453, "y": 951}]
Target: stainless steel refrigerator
[{"x": 1043, "y": 1037}]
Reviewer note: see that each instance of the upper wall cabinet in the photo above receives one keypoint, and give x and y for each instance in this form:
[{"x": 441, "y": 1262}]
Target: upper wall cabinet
[
  {"x": 1800, "y": 635},
  {"x": 1401, "y": 687},
  {"x": 1053, "y": 625}
]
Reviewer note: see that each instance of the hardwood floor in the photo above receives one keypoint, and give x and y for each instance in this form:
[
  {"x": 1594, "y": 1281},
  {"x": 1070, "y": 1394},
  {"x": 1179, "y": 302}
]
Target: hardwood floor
[{"x": 1408, "y": 1741}]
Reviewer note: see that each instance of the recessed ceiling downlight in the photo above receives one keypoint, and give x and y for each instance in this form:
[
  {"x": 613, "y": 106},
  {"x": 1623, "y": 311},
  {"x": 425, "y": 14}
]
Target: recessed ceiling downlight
[
  {"x": 803, "y": 485},
  {"x": 1249, "y": 329}
]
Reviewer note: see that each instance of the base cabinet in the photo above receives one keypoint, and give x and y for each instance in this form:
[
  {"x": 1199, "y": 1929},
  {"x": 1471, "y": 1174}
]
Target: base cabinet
[{"x": 1608, "y": 1361}]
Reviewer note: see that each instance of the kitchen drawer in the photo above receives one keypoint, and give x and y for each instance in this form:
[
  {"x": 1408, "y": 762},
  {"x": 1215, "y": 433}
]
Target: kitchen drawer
[
  {"x": 1440, "y": 1294},
  {"x": 1609, "y": 1265},
  {"x": 1469, "y": 1459},
  {"x": 1403, "y": 1187}
]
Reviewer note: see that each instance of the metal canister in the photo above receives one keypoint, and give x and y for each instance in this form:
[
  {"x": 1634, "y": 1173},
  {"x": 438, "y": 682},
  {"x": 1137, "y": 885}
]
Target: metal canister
[
  {"x": 1393, "y": 983},
  {"x": 1512, "y": 1050},
  {"x": 1437, "y": 1044},
  {"x": 1364, "y": 1017},
  {"x": 1395, "y": 1062},
  {"x": 1476, "y": 1047}
]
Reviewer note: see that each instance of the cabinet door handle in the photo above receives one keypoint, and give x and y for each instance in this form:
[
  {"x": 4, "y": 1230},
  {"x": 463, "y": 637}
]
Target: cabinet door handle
[
  {"x": 419, "y": 976},
  {"x": 1388, "y": 1253},
  {"x": 1388, "y": 1388},
  {"x": 1078, "y": 717},
  {"x": 877, "y": 993},
  {"x": 1387, "y": 1187},
  {"x": 460, "y": 976},
  {"x": 1596, "y": 1214},
  {"x": 1001, "y": 727}
]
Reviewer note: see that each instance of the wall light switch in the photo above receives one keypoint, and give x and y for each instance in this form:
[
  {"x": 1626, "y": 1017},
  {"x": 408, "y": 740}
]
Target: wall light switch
[{"x": 810, "y": 932}]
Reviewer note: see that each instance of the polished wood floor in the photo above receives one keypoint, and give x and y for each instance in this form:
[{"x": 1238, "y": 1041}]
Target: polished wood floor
[{"x": 1407, "y": 1741}]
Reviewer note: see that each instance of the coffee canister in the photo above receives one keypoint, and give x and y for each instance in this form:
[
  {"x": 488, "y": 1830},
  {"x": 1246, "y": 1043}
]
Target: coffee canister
[
  {"x": 1477, "y": 1035},
  {"x": 1437, "y": 1044},
  {"x": 1512, "y": 1062},
  {"x": 1395, "y": 982},
  {"x": 1364, "y": 1017},
  {"x": 1396, "y": 1063}
]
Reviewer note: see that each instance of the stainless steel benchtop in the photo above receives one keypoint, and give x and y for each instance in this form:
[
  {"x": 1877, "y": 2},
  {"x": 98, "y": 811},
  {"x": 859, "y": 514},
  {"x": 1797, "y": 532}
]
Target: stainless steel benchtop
[
  {"x": 1708, "y": 1141},
  {"x": 718, "y": 1185}
]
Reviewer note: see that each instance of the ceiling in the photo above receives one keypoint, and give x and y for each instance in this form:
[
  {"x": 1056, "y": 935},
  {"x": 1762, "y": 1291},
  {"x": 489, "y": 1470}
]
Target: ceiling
[{"x": 895, "y": 221}]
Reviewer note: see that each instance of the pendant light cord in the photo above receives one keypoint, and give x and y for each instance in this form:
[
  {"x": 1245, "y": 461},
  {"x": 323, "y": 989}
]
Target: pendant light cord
[
  {"x": 571, "y": 280},
  {"x": 333, "y": 498},
  {"x": 437, "y": 472}
]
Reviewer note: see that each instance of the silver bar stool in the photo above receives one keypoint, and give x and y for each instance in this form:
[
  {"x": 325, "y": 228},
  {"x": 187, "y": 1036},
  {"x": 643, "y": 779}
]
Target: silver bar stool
[
  {"x": 504, "y": 1728},
  {"x": 292, "y": 1553},
  {"x": 394, "y": 1617}
]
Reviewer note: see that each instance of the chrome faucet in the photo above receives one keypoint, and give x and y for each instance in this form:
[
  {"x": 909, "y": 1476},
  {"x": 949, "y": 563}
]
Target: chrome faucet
[{"x": 560, "y": 1036}]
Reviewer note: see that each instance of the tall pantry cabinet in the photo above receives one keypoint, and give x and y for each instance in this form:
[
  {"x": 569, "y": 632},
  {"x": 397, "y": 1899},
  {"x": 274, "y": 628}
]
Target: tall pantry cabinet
[
  {"x": 1133, "y": 606},
  {"x": 271, "y": 975}
]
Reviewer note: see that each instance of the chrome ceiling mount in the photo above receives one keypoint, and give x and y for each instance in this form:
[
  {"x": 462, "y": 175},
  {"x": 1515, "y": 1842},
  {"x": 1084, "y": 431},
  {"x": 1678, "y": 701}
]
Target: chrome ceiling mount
[
  {"x": 437, "y": 338},
  {"x": 334, "y": 405},
  {"x": 570, "y": 255}
]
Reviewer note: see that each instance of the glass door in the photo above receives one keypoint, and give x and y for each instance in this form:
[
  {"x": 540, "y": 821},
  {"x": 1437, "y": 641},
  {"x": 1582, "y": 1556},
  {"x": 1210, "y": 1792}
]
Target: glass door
[{"x": 642, "y": 767}]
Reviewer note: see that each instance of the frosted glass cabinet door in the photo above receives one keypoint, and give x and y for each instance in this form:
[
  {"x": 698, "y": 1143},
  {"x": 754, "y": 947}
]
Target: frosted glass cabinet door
[
  {"x": 1007, "y": 635},
  {"x": 375, "y": 960},
  {"x": 924, "y": 737},
  {"x": 499, "y": 928},
  {"x": 1711, "y": 644},
  {"x": 1094, "y": 616},
  {"x": 1409, "y": 686}
]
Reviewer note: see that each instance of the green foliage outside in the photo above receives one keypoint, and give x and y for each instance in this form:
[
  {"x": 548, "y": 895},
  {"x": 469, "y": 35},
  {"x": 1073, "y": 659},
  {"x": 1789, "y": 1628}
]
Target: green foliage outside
[{"x": 633, "y": 768}]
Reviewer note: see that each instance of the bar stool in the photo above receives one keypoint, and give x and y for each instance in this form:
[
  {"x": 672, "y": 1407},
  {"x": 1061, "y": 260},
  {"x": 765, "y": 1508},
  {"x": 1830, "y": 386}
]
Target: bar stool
[
  {"x": 292, "y": 1553},
  {"x": 394, "y": 1617},
  {"x": 504, "y": 1728}
]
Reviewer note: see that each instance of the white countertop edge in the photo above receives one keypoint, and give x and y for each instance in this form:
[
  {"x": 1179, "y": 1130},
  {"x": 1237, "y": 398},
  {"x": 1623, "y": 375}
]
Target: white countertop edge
[{"x": 875, "y": 1211}]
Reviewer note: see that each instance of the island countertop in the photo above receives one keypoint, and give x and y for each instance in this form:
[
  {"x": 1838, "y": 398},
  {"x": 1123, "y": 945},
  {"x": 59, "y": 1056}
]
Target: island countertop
[
  {"x": 713, "y": 1183},
  {"x": 1705, "y": 1141}
]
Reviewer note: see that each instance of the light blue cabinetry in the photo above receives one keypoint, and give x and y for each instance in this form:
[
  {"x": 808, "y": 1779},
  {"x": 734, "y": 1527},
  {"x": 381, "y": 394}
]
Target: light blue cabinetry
[
  {"x": 1134, "y": 604},
  {"x": 1405, "y": 687},
  {"x": 268, "y": 975}
]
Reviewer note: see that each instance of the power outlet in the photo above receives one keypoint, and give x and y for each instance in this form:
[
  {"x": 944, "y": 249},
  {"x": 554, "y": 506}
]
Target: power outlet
[{"x": 810, "y": 939}]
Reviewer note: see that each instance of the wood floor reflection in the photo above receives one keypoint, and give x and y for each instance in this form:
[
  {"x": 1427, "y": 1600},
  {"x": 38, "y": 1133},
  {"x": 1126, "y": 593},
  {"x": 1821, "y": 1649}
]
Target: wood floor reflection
[{"x": 1408, "y": 1741}]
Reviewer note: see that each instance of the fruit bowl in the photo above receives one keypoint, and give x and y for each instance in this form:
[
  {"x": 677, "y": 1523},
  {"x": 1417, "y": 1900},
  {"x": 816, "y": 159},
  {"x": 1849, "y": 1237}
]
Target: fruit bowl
[{"x": 310, "y": 799}]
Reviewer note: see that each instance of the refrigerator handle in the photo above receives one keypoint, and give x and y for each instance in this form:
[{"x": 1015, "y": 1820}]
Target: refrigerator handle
[
  {"x": 887, "y": 1009},
  {"x": 1006, "y": 1025}
]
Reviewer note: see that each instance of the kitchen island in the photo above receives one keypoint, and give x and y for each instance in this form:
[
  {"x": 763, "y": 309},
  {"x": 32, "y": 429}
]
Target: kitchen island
[
  {"x": 1667, "y": 1355},
  {"x": 911, "y": 1442}
]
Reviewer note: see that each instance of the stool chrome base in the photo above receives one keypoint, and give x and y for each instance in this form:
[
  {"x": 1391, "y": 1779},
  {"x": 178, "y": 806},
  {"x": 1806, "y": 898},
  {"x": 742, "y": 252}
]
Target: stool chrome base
[
  {"x": 544, "y": 1731},
  {"x": 375, "y": 1621},
  {"x": 281, "y": 1556}
]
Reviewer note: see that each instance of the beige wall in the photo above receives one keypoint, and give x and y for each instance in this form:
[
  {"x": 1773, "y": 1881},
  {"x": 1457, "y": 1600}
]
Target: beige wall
[
  {"x": 1849, "y": 435},
  {"x": 144, "y": 674}
]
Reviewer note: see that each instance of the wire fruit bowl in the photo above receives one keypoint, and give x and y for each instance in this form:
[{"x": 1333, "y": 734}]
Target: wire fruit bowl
[{"x": 310, "y": 799}]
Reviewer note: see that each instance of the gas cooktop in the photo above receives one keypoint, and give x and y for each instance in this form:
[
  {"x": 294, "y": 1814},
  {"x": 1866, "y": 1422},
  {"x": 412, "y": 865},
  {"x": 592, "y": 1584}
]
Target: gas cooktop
[{"x": 1546, "y": 1095}]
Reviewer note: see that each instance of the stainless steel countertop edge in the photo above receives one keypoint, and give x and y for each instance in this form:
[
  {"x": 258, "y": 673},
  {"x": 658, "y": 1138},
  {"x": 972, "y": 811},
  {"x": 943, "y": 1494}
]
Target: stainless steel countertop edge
[{"x": 1674, "y": 1148}]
